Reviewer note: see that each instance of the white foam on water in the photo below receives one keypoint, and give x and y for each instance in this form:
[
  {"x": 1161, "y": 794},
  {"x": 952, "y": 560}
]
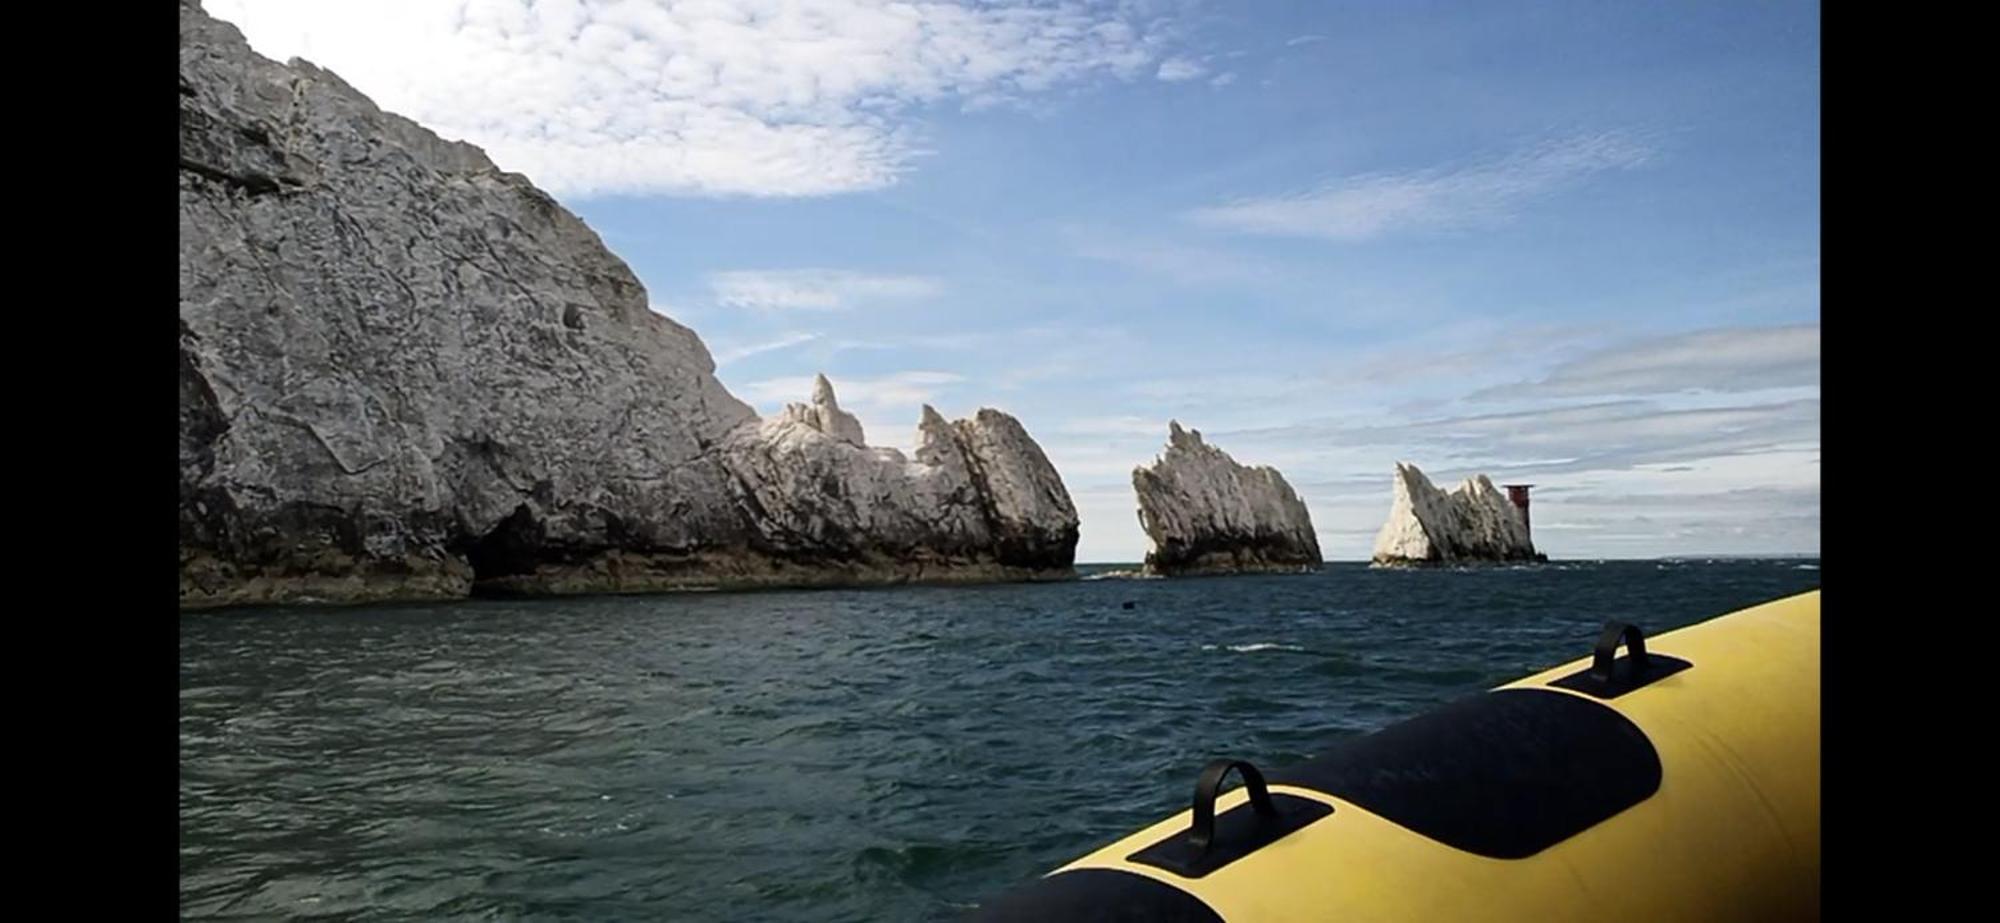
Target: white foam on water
[
  {"x": 1263, "y": 646},
  {"x": 1122, "y": 575}
]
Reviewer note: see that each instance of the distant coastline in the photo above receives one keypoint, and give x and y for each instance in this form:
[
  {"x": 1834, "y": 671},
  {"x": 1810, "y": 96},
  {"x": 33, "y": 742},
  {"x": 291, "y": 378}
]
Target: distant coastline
[{"x": 1790, "y": 556}]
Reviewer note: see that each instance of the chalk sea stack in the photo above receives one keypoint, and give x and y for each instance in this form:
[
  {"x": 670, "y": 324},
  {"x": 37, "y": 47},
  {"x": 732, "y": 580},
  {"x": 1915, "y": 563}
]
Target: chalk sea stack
[
  {"x": 1206, "y": 514},
  {"x": 407, "y": 374},
  {"x": 1472, "y": 524}
]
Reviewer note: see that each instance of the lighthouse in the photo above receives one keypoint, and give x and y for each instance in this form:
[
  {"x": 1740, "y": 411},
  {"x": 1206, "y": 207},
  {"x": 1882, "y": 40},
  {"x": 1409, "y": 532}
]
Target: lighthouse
[{"x": 1519, "y": 494}]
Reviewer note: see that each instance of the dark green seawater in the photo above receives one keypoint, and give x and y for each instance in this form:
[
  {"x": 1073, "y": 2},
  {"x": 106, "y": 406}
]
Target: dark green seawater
[{"x": 889, "y": 754}]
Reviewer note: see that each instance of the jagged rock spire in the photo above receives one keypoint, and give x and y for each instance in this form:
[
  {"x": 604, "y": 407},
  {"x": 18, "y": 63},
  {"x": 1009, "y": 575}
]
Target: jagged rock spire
[{"x": 1207, "y": 514}]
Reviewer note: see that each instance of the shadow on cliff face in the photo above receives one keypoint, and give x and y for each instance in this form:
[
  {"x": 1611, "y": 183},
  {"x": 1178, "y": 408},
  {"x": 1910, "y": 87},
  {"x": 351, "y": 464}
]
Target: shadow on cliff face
[
  {"x": 1262, "y": 552},
  {"x": 205, "y": 513},
  {"x": 202, "y": 422},
  {"x": 509, "y": 549},
  {"x": 1028, "y": 548}
]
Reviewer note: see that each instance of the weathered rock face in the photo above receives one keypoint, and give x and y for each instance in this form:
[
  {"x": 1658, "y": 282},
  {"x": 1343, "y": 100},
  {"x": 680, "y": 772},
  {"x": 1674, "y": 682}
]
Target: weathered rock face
[
  {"x": 405, "y": 372},
  {"x": 1206, "y": 514},
  {"x": 1474, "y": 523}
]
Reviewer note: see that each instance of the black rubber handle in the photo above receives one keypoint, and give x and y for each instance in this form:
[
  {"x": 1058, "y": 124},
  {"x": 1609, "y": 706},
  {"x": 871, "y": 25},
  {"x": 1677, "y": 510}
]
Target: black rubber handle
[
  {"x": 1607, "y": 649},
  {"x": 1202, "y": 833}
]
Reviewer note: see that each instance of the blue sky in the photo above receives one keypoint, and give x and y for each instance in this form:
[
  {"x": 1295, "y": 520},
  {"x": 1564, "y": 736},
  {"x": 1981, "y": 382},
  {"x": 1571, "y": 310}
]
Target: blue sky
[{"x": 1569, "y": 243}]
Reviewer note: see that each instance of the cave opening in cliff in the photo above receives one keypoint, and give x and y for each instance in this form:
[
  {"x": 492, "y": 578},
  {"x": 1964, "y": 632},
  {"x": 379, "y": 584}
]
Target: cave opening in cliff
[{"x": 508, "y": 549}]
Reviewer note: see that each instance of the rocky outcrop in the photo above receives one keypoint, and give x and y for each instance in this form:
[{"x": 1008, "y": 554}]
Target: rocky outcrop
[
  {"x": 1471, "y": 524},
  {"x": 406, "y": 373},
  {"x": 824, "y": 414},
  {"x": 1206, "y": 514}
]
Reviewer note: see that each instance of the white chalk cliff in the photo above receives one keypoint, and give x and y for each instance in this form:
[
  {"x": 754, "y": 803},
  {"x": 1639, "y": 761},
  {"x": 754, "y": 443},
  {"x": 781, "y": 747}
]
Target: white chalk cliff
[
  {"x": 1207, "y": 514},
  {"x": 1473, "y": 523},
  {"x": 406, "y": 373}
]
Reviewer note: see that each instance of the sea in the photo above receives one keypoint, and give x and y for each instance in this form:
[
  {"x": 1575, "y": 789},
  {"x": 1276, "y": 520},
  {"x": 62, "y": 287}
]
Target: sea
[{"x": 898, "y": 753}]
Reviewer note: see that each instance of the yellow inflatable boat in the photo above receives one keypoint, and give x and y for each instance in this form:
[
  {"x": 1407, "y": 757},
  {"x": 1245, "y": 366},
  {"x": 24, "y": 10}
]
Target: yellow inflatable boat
[{"x": 1679, "y": 781}]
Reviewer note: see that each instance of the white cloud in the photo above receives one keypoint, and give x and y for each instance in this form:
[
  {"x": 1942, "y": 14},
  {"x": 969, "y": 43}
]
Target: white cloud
[
  {"x": 726, "y": 356},
  {"x": 1596, "y": 436},
  {"x": 899, "y": 390},
  {"x": 1223, "y": 79},
  {"x": 1297, "y": 40},
  {"x": 1376, "y": 204},
  {"x": 1722, "y": 360},
  {"x": 715, "y": 97},
  {"x": 924, "y": 342},
  {"x": 1174, "y": 70},
  {"x": 1126, "y": 425},
  {"x": 814, "y": 289}
]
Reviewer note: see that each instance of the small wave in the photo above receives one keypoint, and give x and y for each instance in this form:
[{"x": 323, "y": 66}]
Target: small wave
[
  {"x": 1262, "y": 646},
  {"x": 1807, "y": 567},
  {"x": 1122, "y": 575}
]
